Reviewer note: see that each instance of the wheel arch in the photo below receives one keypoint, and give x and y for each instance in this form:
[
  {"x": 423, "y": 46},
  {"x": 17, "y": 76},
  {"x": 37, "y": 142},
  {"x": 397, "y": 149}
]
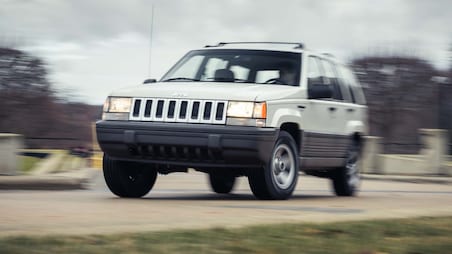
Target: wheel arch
[
  {"x": 294, "y": 130},
  {"x": 358, "y": 137}
]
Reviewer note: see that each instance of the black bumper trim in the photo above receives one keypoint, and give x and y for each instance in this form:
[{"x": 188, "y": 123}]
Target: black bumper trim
[{"x": 190, "y": 145}]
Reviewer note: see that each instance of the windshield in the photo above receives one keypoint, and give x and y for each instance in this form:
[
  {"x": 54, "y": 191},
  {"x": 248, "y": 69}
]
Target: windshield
[{"x": 237, "y": 66}]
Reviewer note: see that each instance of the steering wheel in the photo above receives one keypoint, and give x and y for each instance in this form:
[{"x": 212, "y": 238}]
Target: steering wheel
[{"x": 274, "y": 81}]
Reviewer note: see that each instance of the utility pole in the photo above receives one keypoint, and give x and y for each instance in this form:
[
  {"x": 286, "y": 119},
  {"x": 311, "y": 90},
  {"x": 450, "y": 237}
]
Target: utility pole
[{"x": 150, "y": 41}]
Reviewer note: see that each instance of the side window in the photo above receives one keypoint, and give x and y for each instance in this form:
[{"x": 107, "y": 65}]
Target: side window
[
  {"x": 354, "y": 86},
  {"x": 345, "y": 87},
  {"x": 331, "y": 78},
  {"x": 357, "y": 89},
  {"x": 314, "y": 71}
]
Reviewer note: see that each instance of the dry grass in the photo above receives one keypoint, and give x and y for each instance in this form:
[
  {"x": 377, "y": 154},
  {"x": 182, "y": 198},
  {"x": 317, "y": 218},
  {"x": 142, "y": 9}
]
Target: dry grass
[{"x": 420, "y": 235}]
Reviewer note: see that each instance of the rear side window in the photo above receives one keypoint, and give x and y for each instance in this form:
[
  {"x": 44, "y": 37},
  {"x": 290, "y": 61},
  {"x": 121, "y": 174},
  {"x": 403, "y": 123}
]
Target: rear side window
[
  {"x": 331, "y": 79},
  {"x": 350, "y": 80},
  {"x": 344, "y": 86}
]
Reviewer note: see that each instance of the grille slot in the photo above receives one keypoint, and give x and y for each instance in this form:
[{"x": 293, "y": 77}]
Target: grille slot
[
  {"x": 178, "y": 110},
  {"x": 159, "y": 112},
  {"x": 171, "y": 108},
  {"x": 195, "y": 110},
  {"x": 207, "y": 109},
  {"x": 147, "y": 109},
  {"x": 219, "y": 111},
  {"x": 183, "y": 110},
  {"x": 136, "y": 108}
]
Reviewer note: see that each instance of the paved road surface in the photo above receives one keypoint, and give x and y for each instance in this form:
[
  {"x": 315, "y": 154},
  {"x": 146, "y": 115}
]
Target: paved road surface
[{"x": 185, "y": 201}]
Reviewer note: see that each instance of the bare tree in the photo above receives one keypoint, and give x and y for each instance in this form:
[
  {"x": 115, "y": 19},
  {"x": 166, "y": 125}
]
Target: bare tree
[
  {"x": 402, "y": 97},
  {"x": 29, "y": 105},
  {"x": 26, "y": 97}
]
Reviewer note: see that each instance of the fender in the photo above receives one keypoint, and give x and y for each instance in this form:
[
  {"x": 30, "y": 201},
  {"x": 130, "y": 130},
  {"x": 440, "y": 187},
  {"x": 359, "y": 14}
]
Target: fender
[{"x": 284, "y": 115}]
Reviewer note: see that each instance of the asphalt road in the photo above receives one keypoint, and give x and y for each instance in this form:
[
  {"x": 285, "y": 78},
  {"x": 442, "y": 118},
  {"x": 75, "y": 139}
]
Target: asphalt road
[{"x": 185, "y": 201}]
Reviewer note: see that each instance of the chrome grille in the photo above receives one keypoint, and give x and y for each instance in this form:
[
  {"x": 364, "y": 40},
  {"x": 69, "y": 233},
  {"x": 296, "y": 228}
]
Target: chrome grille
[{"x": 178, "y": 110}]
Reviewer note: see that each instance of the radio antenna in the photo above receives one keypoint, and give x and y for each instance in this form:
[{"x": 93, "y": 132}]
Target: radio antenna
[{"x": 150, "y": 40}]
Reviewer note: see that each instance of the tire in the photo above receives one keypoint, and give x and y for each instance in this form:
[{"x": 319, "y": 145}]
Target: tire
[
  {"x": 221, "y": 183},
  {"x": 346, "y": 180},
  {"x": 278, "y": 179},
  {"x": 128, "y": 179}
]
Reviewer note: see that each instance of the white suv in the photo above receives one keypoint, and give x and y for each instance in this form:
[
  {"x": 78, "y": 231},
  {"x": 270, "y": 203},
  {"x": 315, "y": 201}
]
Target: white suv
[{"x": 265, "y": 110}]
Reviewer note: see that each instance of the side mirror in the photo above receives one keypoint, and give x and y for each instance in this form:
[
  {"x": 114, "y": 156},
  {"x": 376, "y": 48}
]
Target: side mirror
[
  {"x": 150, "y": 80},
  {"x": 319, "y": 91}
]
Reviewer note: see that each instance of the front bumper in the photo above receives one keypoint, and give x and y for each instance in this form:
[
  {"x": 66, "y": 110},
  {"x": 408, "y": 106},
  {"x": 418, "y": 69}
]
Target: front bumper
[{"x": 188, "y": 145}]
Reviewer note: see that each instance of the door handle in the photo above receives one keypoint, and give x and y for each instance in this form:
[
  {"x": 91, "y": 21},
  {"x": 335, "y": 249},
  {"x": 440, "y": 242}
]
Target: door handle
[
  {"x": 350, "y": 110},
  {"x": 332, "y": 109}
]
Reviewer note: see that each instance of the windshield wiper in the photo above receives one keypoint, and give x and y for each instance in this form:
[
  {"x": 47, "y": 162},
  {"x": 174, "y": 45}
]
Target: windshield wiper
[{"x": 180, "y": 79}]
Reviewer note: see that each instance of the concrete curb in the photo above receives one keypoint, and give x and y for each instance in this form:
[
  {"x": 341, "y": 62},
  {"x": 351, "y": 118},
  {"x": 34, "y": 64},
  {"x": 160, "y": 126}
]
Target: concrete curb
[
  {"x": 70, "y": 180},
  {"x": 409, "y": 179}
]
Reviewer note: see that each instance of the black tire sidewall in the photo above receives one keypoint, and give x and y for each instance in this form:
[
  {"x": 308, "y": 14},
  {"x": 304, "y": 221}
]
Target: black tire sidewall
[
  {"x": 222, "y": 183},
  {"x": 274, "y": 190},
  {"x": 340, "y": 178},
  {"x": 116, "y": 178}
]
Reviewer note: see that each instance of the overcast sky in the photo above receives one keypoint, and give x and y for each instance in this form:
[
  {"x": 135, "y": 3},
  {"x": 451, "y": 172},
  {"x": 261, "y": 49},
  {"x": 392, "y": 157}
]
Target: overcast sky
[{"x": 95, "y": 46}]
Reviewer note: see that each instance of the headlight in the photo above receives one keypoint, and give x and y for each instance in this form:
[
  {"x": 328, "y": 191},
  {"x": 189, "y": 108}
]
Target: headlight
[
  {"x": 245, "y": 109},
  {"x": 240, "y": 109},
  {"x": 106, "y": 105},
  {"x": 117, "y": 108},
  {"x": 118, "y": 105}
]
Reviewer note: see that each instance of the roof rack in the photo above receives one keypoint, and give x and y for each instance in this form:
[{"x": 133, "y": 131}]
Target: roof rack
[
  {"x": 298, "y": 45},
  {"x": 328, "y": 54}
]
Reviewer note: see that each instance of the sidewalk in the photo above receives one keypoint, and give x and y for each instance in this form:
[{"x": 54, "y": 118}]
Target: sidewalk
[
  {"x": 410, "y": 179},
  {"x": 68, "y": 180},
  {"x": 80, "y": 179}
]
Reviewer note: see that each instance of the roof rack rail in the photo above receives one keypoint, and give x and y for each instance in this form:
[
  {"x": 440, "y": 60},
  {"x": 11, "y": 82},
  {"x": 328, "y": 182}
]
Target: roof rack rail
[{"x": 298, "y": 45}]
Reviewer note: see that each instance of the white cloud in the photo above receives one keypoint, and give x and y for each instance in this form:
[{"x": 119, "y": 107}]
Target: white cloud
[{"x": 96, "y": 46}]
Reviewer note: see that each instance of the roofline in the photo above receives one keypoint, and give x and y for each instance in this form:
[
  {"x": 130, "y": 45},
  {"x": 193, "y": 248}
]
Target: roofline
[{"x": 298, "y": 45}]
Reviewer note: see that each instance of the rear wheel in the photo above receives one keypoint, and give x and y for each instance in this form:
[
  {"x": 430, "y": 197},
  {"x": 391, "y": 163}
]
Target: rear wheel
[
  {"x": 222, "y": 183},
  {"x": 278, "y": 179},
  {"x": 346, "y": 180},
  {"x": 128, "y": 179}
]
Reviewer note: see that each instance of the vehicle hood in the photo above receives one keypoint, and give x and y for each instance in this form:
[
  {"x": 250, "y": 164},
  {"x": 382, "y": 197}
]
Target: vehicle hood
[{"x": 210, "y": 91}]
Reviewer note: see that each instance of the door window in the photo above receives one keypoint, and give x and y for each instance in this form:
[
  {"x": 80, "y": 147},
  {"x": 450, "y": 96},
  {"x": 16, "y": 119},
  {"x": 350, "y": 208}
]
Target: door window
[
  {"x": 331, "y": 79},
  {"x": 353, "y": 84},
  {"x": 345, "y": 87},
  {"x": 314, "y": 71}
]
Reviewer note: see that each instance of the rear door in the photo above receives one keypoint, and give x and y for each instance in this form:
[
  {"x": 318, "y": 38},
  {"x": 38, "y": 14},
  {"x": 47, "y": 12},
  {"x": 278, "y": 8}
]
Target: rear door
[
  {"x": 325, "y": 140},
  {"x": 336, "y": 107},
  {"x": 356, "y": 105}
]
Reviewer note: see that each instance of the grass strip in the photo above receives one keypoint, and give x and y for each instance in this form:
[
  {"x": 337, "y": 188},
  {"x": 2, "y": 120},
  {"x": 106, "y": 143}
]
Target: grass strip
[
  {"x": 27, "y": 163},
  {"x": 419, "y": 235}
]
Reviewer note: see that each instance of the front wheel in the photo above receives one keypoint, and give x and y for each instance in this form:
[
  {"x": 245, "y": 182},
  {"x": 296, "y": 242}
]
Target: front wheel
[
  {"x": 278, "y": 179},
  {"x": 128, "y": 179},
  {"x": 346, "y": 180},
  {"x": 221, "y": 183}
]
